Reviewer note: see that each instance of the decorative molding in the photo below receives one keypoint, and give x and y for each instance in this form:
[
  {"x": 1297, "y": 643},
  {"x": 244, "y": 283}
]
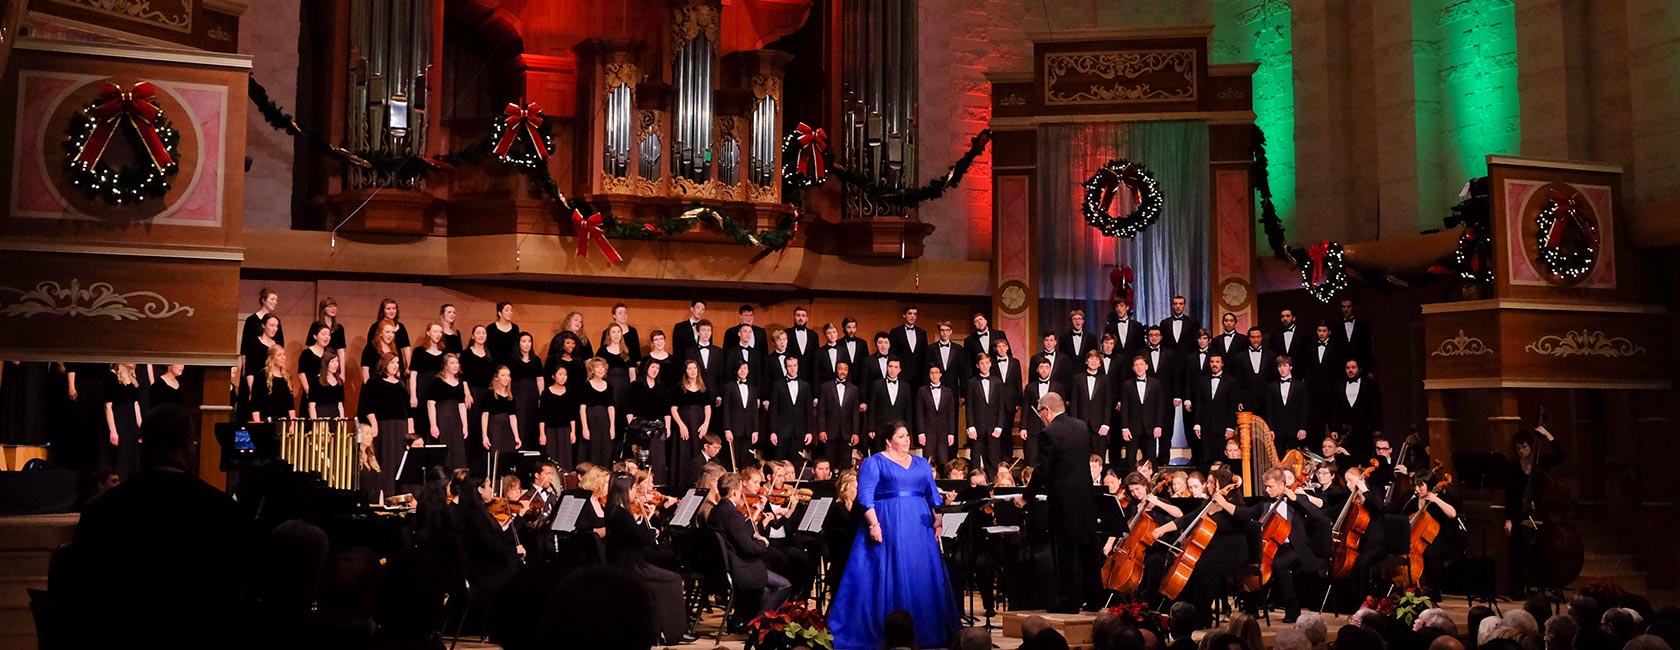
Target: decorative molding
[
  {"x": 690, "y": 22},
  {"x": 1012, "y": 99},
  {"x": 1461, "y": 346},
  {"x": 633, "y": 184},
  {"x": 1591, "y": 343},
  {"x": 1542, "y": 305},
  {"x": 122, "y": 250},
  {"x": 1231, "y": 94},
  {"x": 1546, "y": 163},
  {"x": 80, "y": 355},
  {"x": 218, "y": 34},
  {"x": 136, "y": 53},
  {"x": 1213, "y": 118},
  {"x": 1013, "y": 295},
  {"x": 1135, "y": 76},
  {"x": 621, "y": 74},
  {"x": 1495, "y": 382},
  {"x": 1120, "y": 34},
  {"x": 140, "y": 11},
  {"x": 767, "y": 86},
  {"x": 99, "y": 299}
]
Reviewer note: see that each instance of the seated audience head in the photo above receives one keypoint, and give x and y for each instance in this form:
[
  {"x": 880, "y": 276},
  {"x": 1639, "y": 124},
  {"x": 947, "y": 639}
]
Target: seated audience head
[
  {"x": 1620, "y": 624},
  {"x": 1446, "y": 642},
  {"x": 1225, "y": 641},
  {"x": 1103, "y": 628},
  {"x": 599, "y": 607},
  {"x": 1246, "y": 628},
  {"x": 1291, "y": 639},
  {"x": 1181, "y": 620},
  {"x": 1032, "y": 625},
  {"x": 166, "y": 436},
  {"x": 1584, "y": 610},
  {"x": 974, "y": 638},
  {"x": 1560, "y": 633},
  {"x": 1528, "y": 631},
  {"x": 1437, "y": 618},
  {"x": 1312, "y": 625},
  {"x": 899, "y": 630},
  {"x": 1538, "y": 606},
  {"x": 1647, "y": 642},
  {"x": 1125, "y": 637},
  {"x": 1475, "y": 618},
  {"x": 1354, "y": 637},
  {"x": 1493, "y": 627}
]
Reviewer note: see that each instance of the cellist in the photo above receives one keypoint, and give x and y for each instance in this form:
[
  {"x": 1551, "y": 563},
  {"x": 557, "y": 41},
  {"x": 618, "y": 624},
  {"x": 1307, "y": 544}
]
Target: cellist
[
  {"x": 1527, "y": 469},
  {"x": 1448, "y": 542},
  {"x": 1295, "y": 554},
  {"x": 1372, "y": 545},
  {"x": 1166, "y": 518},
  {"x": 1225, "y": 554}
]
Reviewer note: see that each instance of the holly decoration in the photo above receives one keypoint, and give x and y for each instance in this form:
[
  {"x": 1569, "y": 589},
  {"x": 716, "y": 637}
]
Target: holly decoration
[
  {"x": 114, "y": 111},
  {"x": 1324, "y": 272},
  {"x": 1567, "y": 238},
  {"x": 1101, "y": 189}
]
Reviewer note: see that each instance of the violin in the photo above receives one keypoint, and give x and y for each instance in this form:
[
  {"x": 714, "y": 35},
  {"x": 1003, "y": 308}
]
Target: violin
[
  {"x": 501, "y": 509},
  {"x": 1191, "y": 545},
  {"x": 786, "y": 494},
  {"x": 1123, "y": 570},
  {"x": 1349, "y": 530},
  {"x": 1425, "y": 529}
]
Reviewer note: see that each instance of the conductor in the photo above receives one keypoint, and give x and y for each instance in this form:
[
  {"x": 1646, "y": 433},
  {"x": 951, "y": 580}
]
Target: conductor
[{"x": 1063, "y": 475}]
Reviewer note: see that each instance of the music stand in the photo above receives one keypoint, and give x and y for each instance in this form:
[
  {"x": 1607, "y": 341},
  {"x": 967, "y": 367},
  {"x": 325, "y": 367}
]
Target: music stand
[
  {"x": 247, "y": 445},
  {"x": 416, "y": 461},
  {"x": 1482, "y": 470}
]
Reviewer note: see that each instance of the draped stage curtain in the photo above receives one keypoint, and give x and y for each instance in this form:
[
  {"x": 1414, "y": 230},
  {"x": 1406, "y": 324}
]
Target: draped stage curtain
[{"x": 1171, "y": 257}]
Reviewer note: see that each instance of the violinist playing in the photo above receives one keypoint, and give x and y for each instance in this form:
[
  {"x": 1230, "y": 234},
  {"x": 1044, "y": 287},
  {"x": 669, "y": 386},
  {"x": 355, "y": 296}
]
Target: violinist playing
[
  {"x": 1525, "y": 484},
  {"x": 1294, "y": 554},
  {"x": 1448, "y": 542}
]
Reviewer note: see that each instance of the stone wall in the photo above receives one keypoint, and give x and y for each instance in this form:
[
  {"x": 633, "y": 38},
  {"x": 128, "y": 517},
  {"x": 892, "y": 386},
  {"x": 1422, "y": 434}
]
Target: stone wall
[{"x": 269, "y": 32}]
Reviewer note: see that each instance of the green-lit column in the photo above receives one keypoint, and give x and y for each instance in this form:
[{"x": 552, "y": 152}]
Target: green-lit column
[
  {"x": 1258, "y": 31},
  {"x": 1467, "y": 95}
]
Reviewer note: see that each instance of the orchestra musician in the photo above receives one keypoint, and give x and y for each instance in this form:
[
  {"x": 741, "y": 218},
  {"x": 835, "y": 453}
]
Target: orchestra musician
[
  {"x": 760, "y": 588},
  {"x": 1295, "y": 554},
  {"x": 1165, "y": 515},
  {"x": 1526, "y": 468},
  {"x": 630, "y": 543},
  {"x": 1448, "y": 543}
]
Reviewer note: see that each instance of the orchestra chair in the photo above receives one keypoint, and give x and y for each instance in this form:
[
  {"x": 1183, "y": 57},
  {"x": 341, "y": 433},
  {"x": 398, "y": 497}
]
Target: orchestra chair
[{"x": 709, "y": 565}]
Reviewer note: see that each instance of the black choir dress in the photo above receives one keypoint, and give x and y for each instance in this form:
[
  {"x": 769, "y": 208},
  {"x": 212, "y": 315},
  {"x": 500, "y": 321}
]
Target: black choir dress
[
  {"x": 691, "y": 409},
  {"x": 271, "y": 399},
  {"x": 446, "y": 399},
  {"x": 628, "y": 546},
  {"x": 425, "y": 365},
  {"x": 452, "y": 342},
  {"x": 336, "y": 343},
  {"x": 386, "y": 401},
  {"x": 558, "y": 413},
  {"x": 328, "y": 400},
  {"x": 370, "y": 360},
  {"x": 669, "y": 373},
  {"x": 500, "y": 428},
  {"x": 254, "y": 327},
  {"x": 527, "y": 375},
  {"x": 477, "y": 370},
  {"x": 501, "y": 345},
  {"x": 309, "y": 365},
  {"x": 575, "y": 375},
  {"x": 618, "y": 376},
  {"x": 653, "y": 403},
  {"x": 595, "y": 406},
  {"x": 162, "y": 393},
  {"x": 122, "y": 399}
]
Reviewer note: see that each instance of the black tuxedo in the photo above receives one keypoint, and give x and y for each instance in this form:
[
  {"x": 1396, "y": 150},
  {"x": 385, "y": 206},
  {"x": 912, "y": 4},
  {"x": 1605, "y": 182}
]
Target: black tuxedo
[
  {"x": 855, "y": 349},
  {"x": 937, "y": 422},
  {"x": 1287, "y": 418},
  {"x": 1076, "y": 345},
  {"x": 1298, "y": 556},
  {"x": 759, "y": 370},
  {"x": 826, "y": 362},
  {"x": 1127, "y": 346},
  {"x": 732, "y": 337},
  {"x": 985, "y": 411},
  {"x": 790, "y": 416},
  {"x": 737, "y": 418},
  {"x": 715, "y": 369},
  {"x": 1142, "y": 416},
  {"x": 1225, "y": 344},
  {"x": 1063, "y": 474},
  {"x": 840, "y": 418},
  {"x": 973, "y": 347},
  {"x": 1186, "y": 338},
  {"x": 883, "y": 409},
  {"x": 1239, "y": 364},
  {"x": 1359, "y": 345},
  {"x": 1061, "y": 365},
  {"x": 1165, "y": 369},
  {"x": 807, "y": 352},
  {"x": 775, "y": 365},
  {"x": 1362, "y": 419},
  {"x": 1191, "y": 366},
  {"x": 1297, "y": 342},
  {"x": 1092, "y": 402},
  {"x": 683, "y": 338},
  {"x": 1029, "y": 415},
  {"x": 745, "y": 552},
  {"x": 1326, "y": 375},
  {"x": 949, "y": 360},
  {"x": 872, "y": 367},
  {"x": 1214, "y": 411},
  {"x": 912, "y": 360}
]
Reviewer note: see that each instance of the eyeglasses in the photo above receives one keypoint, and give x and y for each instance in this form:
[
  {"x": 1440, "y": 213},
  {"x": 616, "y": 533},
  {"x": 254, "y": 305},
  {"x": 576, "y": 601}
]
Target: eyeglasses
[{"x": 1383, "y": 448}]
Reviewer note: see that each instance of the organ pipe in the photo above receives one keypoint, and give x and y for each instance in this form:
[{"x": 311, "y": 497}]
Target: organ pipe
[{"x": 878, "y": 124}]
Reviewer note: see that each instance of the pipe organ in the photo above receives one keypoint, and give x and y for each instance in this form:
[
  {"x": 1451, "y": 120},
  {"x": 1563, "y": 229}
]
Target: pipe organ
[
  {"x": 390, "y": 59},
  {"x": 878, "y": 110}
]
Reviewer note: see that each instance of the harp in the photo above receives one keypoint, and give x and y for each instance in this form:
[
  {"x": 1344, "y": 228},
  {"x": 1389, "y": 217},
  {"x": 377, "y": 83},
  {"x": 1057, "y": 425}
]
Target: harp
[{"x": 1259, "y": 453}]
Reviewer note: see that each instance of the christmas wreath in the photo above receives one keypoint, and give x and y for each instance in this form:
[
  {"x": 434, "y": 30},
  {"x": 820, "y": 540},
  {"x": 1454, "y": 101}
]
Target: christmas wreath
[
  {"x": 1564, "y": 255},
  {"x": 94, "y": 127},
  {"x": 522, "y": 137},
  {"x": 1324, "y": 272},
  {"x": 1101, "y": 188}
]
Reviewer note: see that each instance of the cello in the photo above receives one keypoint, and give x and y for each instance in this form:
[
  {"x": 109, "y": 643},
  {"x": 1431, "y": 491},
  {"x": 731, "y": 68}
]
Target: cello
[
  {"x": 1123, "y": 570},
  {"x": 1349, "y": 530},
  {"x": 1400, "y": 484},
  {"x": 1424, "y": 530},
  {"x": 1191, "y": 545}
]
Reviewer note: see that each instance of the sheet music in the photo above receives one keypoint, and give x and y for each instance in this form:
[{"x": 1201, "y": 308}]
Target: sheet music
[
  {"x": 566, "y": 520},
  {"x": 999, "y": 530},
  {"x": 953, "y": 523},
  {"x": 686, "y": 508},
  {"x": 815, "y": 514}
]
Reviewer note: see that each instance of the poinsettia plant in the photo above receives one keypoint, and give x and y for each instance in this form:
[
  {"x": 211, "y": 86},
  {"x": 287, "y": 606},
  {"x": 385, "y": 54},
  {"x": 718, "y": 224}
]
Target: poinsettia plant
[
  {"x": 1404, "y": 607},
  {"x": 1138, "y": 615},
  {"x": 1384, "y": 605},
  {"x": 792, "y": 626}
]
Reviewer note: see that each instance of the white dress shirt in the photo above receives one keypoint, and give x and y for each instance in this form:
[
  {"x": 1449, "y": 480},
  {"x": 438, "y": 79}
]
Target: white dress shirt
[{"x": 1352, "y": 391}]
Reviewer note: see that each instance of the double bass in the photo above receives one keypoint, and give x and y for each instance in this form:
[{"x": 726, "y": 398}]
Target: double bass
[
  {"x": 1424, "y": 530},
  {"x": 1123, "y": 570},
  {"x": 1191, "y": 545},
  {"x": 1400, "y": 484},
  {"x": 1556, "y": 546},
  {"x": 1349, "y": 530}
]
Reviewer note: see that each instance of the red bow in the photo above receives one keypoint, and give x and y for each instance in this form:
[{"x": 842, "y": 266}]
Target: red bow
[
  {"x": 812, "y": 143},
  {"x": 135, "y": 107},
  {"x": 525, "y": 119},
  {"x": 590, "y": 230},
  {"x": 1121, "y": 278},
  {"x": 1317, "y": 253},
  {"x": 1566, "y": 206}
]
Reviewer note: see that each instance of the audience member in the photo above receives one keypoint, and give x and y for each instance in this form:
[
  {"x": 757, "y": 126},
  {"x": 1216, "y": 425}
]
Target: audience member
[
  {"x": 1446, "y": 642},
  {"x": 1538, "y": 606},
  {"x": 1291, "y": 639},
  {"x": 1126, "y": 638},
  {"x": 1560, "y": 633},
  {"x": 1181, "y": 624},
  {"x": 1621, "y": 625},
  {"x": 1354, "y": 637},
  {"x": 1246, "y": 628},
  {"x": 1493, "y": 627},
  {"x": 599, "y": 607},
  {"x": 1312, "y": 625},
  {"x": 1477, "y": 614},
  {"x": 1103, "y": 627},
  {"x": 974, "y": 638},
  {"x": 1224, "y": 641},
  {"x": 899, "y": 631},
  {"x": 1030, "y": 627},
  {"x": 1647, "y": 642},
  {"x": 1437, "y": 618},
  {"x": 1528, "y": 631}
]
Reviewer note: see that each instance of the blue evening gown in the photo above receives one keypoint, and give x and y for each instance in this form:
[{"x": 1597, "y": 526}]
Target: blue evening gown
[{"x": 905, "y": 571}]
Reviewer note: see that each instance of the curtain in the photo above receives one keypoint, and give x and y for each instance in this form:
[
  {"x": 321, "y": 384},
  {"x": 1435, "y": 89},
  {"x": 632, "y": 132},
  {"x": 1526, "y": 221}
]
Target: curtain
[{"x": 1169, "y": 258}]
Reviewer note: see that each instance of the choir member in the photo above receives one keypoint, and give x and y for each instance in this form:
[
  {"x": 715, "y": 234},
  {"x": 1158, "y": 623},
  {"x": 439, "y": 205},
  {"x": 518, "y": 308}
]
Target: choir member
[
  {"x": 446, "y": 410},
  {"x": 936, "y": 417},
  {"x": 909, "y": 344},
  {"x": 831, "y": 354},
  {"x": 564, "y": 354},
  {"x": 621, "y": 369},
  {"x": 1093, "y": 401},
  {"x": 691, "y": 413},
  {"x": 889, "y": 401},
  {"x": 790, "y": 413},
  {"x": 631, "y": 339},
  {"x": 1178, "y": 331},
  {"x": 326, "y": 399},
  {"x": 388, "y": 311},
  {"x": 659, "y": 352},
  {"x": 988, "y": 432},
  {"x": 1163, "y": 363},
  {"x": 423, "y": 369},
  {"x": 573, "y": 322},
  {"x": 802, "y": 340},
  {"x": 779, "y": 354},
  {"x": 1144, "y": 416},
  {"x": 1061, "y": 367},
  {"x": 1212, "y": 405},
  {"x": 651, "y": 401},
  {"x": 1355, "y": 337},
  {"x": 499, "y": 420},
  {"x": 838, "y": 409},
  {"x": 381, "y": 344},
  {"x": 123, "y": 419},
  {"x": 980, "y": 340},
  {"x": 874, "y": 367},
  {"x": 597, "y": 415},
  {"x": 1112, "y": 365},
  {"x": 255, "y": 349},
  {"x": 1229, "y": 340},
  {"x": 167, "y": 388},
  {"x": 747, "y": 349},
  {"x": 502, "y": 336},
  {"x": 1254, "y": 367},
  {"x": 384, "y": 405},
  {"x": 309, "y": 361},
  {"x": 327, "y": 314},
  {"x": 1195, "y": 363},
  {"x": 685, "y": 332},
  {"x": 1288, "y": 401},
  {"x": 1043, "y": 383},
  {"x": 713, "y": 368},
  {"x": 737, "y": 337},
  {"x": 527, "y": 382},
  {"x": 1321, "y": 365},
  {"x": 1284, "y": 341},
  {"x": 629, "y": 544},
  {"x": 740, "y": 401},
  {"x": 271, "y": 392},
  {"x": 1010, "y": 377},
  {"x": 1357, "y": 414},
  {"x": 1296, "y": 555},
  {"x": 256, "y": 324},
  {"x": 948, "y": 357},
  {"x": 557, "y": 414},
  {"x": 451, "y": 334},
  {"x": 855, "y": 347},
  {"x": 1077, "y": 340},
  {"x": 1127, "y": 331}
]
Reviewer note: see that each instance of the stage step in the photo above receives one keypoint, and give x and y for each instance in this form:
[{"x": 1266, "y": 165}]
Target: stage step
[
  {"x": 26, "y": 546},
  {"x": 1632, "y": 581},
  {"x": 36, "y": 532},
  {"x": 14, "y": 564},
  {"x": 1609, "y": 563}
]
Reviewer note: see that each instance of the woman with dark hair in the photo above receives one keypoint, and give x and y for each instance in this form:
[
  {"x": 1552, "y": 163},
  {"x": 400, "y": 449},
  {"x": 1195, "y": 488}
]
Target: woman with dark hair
[
  {"x": 691, "y": 415},
  {"x": 628, "y": 546},
  {"x": 573, "y": 322},
  {"x": 271, "y": 393},
  {"x": 446, "y": 410},
  {"x": 327, "y": 314},
  {"x": 597, "y": 416},
  {"x": 620, "y": 372},
  {"x": 255, "y": 350},
  {"x": 319, "y": 346},
  {"x": 492, "y": 554},
  {"x": 557, "y": 420},
  {"x": 499, "y": 419},
  {"x": 1527, "y": 485},
  {"x": 267, "y": 302},
  {"x": 502, "y": 336},
  {"x": 528, "y": 383},
  {"x": 122, "y": 420},
  {"x": 384, "y": 406},
  {"x": 563, "y": 352},
  {"x": 167, "y": 388},
  {"x": 478, "y": 367},
  {"x": 660, "y": 353},
  {"x": 451, "y": 334},
  {"x": 326, "y": 400},
  {"x": 423, "y": 369},
  {"x": 650, "y": 401}
]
